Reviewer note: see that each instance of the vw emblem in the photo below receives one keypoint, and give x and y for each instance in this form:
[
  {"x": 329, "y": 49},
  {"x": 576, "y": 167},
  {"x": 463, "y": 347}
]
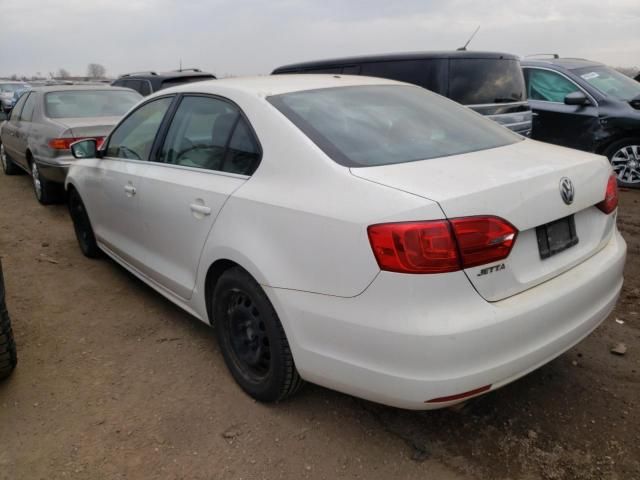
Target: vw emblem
[{"x": 567, "y": 191}]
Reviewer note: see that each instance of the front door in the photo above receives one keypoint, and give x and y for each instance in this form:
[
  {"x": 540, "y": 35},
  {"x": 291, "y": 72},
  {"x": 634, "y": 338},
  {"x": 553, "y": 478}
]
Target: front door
[
  {"x": 554, "y": 121},
  {"x": 116, "y": 187},
  {"x": 209, "y": 151}
]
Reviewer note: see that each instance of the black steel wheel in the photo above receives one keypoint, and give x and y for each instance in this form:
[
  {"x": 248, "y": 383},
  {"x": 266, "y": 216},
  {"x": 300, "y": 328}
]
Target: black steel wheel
[
  {"x": 251, "y": 337},
  {"x": 82, "y": 226}
]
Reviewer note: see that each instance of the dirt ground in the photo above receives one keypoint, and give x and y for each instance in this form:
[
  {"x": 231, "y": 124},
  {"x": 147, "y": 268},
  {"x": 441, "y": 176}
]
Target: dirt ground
[{"x": 114, "y": 382}]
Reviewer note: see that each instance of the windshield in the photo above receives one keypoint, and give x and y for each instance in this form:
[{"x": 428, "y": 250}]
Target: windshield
[
  {"x": 13, "y": 87},
  {"x": 610, "y": 82},
  {"x": 386, "y": 124},
  {"x": 89, "y": 103},
  {"x": 477, "y": 81}
]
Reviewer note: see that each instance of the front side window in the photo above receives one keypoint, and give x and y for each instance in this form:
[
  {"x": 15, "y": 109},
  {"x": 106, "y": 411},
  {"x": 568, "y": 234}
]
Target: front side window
[
  {"x": 610, "y": 82},
  {"x": 387, "y": 124},
  {"x": 134, "y": 137},
  {"x": 211, "y": 134},
  {"x": 89, "y": 103},
  {"x": 548, "y": 86}
]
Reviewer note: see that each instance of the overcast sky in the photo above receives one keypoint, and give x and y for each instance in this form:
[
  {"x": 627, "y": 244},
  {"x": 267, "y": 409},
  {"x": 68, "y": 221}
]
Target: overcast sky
[{"x": 253, "y": 37}]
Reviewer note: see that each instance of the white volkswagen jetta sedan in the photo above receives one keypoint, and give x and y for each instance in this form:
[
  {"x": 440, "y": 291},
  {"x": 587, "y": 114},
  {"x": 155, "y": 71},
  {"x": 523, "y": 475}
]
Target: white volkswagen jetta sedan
[{"x": 358, "y": 233}]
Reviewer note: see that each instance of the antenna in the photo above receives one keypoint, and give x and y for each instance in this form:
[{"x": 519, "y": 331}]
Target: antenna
[
  {"x": 180, "y": 65},
  {"x": 462, "y": 49}
]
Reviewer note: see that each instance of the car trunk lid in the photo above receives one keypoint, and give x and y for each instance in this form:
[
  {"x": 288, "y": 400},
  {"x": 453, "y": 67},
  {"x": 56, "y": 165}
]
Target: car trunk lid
[
  {"x": 89, "y": 127},
  {"x": 521, "y": 184}
]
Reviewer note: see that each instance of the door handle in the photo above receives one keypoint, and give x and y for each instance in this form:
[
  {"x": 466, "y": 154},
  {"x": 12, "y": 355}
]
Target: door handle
[
  {"x": 130, "y": 190},
  {"x": 201, "y": 209}
]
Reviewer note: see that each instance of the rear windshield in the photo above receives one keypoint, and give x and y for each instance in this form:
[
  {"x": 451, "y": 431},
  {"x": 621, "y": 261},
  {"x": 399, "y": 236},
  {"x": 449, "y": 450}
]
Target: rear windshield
[
  {"x": 13, "y": 87},
  {"x": 89, "y": 103},
  {"x": 477, "y": 81},
  {"x": 386, "y": 124},
  {"x": 610, "y": 82}
]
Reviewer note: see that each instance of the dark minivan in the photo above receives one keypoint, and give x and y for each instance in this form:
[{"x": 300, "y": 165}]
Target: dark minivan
[
  {"x": 146, "y": 83},
  {"x": 490, "y": 83}
]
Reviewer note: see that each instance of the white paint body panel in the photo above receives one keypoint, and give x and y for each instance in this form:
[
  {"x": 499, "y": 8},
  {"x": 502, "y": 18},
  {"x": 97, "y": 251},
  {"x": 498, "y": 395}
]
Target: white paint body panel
[{"x": 298, "y": 226}]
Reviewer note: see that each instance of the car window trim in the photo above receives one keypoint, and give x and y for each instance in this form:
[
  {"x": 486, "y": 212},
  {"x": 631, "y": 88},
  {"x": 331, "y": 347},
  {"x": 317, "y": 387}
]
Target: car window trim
[
  {"x": 164, "y": 130},
  {"x": 591, "y": 98},
  {"x": 105, "y": 145}
]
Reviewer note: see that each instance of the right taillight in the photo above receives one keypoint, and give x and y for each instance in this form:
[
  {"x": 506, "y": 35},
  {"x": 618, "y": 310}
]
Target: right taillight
[
  {"x": 610, "y": 202},
  {"x": 440, "y": 246}
]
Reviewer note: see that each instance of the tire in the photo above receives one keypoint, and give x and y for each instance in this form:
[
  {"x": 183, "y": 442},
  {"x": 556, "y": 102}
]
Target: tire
[
  {"x": 624, "y": 156},
  {"x": 8, "y": 167},
  {"x": 46, "y": 192},
  {"x": 82, "y": 226},
  {"x": 8, "y": 357},
  {"x": 252, "y": 340}
]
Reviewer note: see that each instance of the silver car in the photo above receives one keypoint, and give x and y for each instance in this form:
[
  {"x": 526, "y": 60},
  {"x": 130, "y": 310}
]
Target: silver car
[
  {"x": 9, "y": 93},
  {"x": 46, "y": 120}
]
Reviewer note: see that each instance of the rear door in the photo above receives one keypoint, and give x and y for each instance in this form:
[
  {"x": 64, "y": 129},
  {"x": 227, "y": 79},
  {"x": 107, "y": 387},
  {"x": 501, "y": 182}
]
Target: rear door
[
  {"x": 115, "y": 188},
  {"x": 555, "y": 122},
  {"x": 208, "y": 152},
  {"x": 12, "y": 133}
]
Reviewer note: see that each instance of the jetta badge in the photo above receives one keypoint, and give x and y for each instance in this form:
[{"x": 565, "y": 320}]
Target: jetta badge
[{"x": 567, "y": 191}]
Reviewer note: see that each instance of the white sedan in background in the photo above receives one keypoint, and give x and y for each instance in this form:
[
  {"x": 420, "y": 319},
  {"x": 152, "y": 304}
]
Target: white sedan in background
[{"x": 358, "y": 233}]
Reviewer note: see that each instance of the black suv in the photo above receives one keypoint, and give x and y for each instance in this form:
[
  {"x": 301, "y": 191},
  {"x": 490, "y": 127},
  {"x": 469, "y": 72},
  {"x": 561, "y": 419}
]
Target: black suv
[
  {"x": 8, "y": 357},
  {"x": 589, "y": 106},
  {"x": 490, "y": 83},
  {"x": 146, "y": 83}
]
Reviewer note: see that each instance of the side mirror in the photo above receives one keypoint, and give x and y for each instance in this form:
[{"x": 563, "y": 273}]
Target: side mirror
[
  {"x": 84, "y": 148},
  {"x": 576, "y": 98}
]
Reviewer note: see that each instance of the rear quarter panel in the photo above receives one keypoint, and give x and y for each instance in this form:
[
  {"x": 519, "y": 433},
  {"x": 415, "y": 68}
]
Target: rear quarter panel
[{"x": 301, "y": 221}]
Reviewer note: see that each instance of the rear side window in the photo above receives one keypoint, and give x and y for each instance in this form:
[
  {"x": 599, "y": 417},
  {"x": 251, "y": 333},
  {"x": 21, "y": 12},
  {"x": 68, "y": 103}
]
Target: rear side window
[
  {"x": 211, "y": 134},
  {"x": 548, "y": 86},
  {"x": 477, "y": 81},
  {"x": 29, "y": 107},
  {"x": 14, "y": 115},
  {"x": 429, "y": 74},
  {"x": 386, "y": 124},
  {"x": 134, "y": 137}
]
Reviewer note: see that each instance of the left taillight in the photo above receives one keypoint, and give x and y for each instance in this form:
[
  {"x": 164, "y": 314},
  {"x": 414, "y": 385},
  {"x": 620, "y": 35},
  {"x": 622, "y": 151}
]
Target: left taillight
[
  {"x": 440, "y": 246},
  {"x": 610, "y": 202},
  {"x": 65, "y": 143}
]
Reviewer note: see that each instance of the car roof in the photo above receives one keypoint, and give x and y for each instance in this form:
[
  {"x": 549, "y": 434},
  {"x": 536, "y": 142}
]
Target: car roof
[
  {"x": 458, "y": 54},
  {"x": 167, "y": 75},
  {"x": 267, "y": 85},
  {"x": 568, "y": 63},
  {"x": 71, "y": 88}
]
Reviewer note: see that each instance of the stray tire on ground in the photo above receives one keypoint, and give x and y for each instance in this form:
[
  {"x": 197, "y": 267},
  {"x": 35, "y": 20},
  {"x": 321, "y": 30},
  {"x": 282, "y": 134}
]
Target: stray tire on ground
[{"x": 8, "y": 357}]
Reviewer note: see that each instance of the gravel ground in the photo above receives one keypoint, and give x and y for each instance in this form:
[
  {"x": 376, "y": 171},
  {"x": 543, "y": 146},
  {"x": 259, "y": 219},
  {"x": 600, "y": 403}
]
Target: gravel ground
[{"x": 115, "y": 382}]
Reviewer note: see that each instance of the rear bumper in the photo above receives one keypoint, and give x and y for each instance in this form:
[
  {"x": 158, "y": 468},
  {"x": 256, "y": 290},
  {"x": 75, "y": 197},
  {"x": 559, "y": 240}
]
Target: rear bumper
[
  {"x": 409, "y": 339},
  {"x": 54, "y": 169}
]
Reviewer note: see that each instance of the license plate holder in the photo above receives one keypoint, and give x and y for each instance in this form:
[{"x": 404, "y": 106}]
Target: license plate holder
[{"x": 556, "y": 236}]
